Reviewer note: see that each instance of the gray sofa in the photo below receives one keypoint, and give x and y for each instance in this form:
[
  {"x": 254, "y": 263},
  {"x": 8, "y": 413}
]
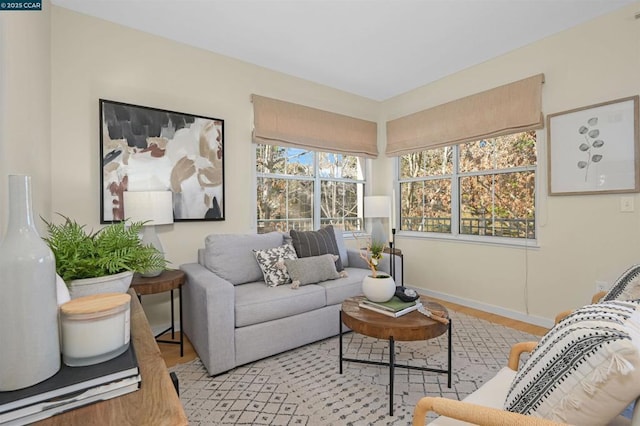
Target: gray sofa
[{"x": 233, "y": 318}]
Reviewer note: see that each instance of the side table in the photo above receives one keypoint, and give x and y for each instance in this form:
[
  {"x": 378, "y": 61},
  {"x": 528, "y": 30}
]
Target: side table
[{"x": 168, "y": 280}]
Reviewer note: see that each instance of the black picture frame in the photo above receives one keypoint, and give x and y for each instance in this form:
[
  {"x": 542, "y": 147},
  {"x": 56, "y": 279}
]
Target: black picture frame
[{"x": 151, "y": 149}]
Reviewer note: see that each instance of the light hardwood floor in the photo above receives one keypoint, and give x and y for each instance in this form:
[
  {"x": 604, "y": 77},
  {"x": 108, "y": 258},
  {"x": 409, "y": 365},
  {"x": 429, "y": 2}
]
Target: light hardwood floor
[{"x": 171, "y": 352}]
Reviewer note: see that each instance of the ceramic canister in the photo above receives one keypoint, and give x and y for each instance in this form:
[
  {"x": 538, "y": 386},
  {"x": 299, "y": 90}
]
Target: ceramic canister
[{"x": 95, "y": 328}]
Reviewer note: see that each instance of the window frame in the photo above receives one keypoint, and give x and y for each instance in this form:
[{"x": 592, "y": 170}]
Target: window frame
[
  {"x": 454, "y": 178},
  {"x": 317, "y": 186}
]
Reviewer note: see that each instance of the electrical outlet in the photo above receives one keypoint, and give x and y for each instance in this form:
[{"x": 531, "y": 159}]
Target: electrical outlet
[
  {"x": 626, "y": 204},
  {"x": 602, "y": 286}
]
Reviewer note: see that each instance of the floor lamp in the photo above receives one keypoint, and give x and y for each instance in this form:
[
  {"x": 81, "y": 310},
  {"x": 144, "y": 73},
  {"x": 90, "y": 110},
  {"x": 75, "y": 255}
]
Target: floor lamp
[{"x": 154, "y": 208}]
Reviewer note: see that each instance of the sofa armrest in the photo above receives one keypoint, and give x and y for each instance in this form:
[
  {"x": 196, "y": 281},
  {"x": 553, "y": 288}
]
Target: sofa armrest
[
  {"x": 355, "y": 261},
  {"x": 209, "y": 317}
]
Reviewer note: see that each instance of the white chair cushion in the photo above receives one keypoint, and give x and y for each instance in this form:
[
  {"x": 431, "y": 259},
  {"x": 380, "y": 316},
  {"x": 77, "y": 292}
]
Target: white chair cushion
[
  {"x": 491, "y": 394},
  {"x": 585, "y": 370}
]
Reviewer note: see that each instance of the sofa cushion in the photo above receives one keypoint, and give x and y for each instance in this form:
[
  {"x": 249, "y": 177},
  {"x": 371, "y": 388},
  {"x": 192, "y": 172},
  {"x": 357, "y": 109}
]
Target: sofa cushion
[
  {"x": 230, "y": 256},
  {"x": 257, "y": 303},
  {"x": 311, "y": 270},
  {"x": 315, "y": 243},
  {"x": 626, "y": 287},
  {"x": 585, "y": 370},
  {"x": 343, "y": 288},
  {"x": 272, "y": 263}
]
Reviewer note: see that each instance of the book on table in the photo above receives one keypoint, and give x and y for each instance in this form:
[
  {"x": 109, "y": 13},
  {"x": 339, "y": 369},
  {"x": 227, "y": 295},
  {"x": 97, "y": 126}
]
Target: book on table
[
  {"x": 72, "y": 387},
  {"x": 393, "y": 308}
]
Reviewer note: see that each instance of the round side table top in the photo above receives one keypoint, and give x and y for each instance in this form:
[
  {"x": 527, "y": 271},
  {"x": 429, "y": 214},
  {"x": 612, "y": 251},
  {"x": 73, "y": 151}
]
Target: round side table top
[
  {"x": 167, "y": 280},
  {"x": 411, "y": 326}
]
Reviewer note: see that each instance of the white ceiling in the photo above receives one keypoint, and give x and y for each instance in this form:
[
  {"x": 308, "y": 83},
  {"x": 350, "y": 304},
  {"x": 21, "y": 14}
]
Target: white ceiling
[{"x": 373, "y": 48}]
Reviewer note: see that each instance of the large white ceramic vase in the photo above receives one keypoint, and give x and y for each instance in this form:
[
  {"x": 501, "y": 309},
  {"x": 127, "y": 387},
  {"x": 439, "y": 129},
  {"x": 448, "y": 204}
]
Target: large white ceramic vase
[
  {"x": 29, "y": 344},
  {"x": 378, "y": 289}
]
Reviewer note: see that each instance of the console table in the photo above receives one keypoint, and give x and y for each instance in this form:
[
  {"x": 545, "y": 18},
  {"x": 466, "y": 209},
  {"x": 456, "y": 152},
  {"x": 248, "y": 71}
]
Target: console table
[{"x": 156, "y": 403}]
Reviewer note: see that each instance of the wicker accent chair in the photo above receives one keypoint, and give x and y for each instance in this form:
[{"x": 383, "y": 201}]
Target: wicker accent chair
[
  {"x": 484, "y": 406},
  {"x": 584, "y": 371}
]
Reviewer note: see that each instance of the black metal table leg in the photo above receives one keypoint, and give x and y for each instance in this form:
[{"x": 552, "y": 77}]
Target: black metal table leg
[
  {"x": 182, "y": 334},
  {"x": 340, "y": 333},
  {"x": 173, "y": 329},
  {"x": 449, "y": 357},
  {"x": 392, "y": 364}
]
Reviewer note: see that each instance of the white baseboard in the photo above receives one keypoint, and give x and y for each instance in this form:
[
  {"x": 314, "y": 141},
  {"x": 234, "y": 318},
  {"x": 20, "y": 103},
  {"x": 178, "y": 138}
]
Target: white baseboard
[{"x": 485, "y": 307}]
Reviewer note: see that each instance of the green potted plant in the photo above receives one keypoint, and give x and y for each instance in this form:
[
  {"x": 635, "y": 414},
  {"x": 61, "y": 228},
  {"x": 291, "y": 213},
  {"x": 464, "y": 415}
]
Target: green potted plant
[{"x": 89, "y": 261}]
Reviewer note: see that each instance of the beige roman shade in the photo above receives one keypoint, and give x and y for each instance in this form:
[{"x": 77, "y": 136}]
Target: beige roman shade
[
  {"x": 286, "y": 124},
  {"x": 512, "y": 108}
]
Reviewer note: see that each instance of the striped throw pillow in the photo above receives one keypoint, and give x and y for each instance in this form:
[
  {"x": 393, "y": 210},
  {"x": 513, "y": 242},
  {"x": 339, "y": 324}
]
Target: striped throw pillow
[
  {"x": 316, "y": 243},
  {"x": 626, "y": 287}
]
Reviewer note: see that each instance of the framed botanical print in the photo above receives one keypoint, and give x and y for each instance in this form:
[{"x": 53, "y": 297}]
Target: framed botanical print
[{"x": 594, "y": 149}]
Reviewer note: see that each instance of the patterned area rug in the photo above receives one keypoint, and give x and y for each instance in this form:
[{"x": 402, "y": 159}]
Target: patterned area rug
[{"x": 304, "y": 387}]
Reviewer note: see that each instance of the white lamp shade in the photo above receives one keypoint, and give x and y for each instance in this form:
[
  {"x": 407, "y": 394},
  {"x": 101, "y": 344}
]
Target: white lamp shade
[
  {"x": 153, "y": 207},
  {"x": 376, "y": 206}
]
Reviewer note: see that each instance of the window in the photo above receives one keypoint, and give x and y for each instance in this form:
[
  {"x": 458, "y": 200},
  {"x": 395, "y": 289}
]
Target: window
[
  {"x": 304, "y": 190},
  {"x": 484, "y": 188}
]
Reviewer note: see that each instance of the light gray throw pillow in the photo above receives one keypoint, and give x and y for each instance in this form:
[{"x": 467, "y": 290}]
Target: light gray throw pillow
[{"x": 311, "y": 270}]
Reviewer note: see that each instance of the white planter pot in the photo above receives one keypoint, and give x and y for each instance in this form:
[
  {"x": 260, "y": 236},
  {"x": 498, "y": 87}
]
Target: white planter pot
[
  {"x": 378, "y": 289},
  {"x": 117, "y": 283}
]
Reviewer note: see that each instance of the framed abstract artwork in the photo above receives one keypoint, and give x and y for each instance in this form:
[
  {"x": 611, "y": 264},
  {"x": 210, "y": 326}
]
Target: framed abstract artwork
[
  {"x": 150, "y": 149},
  {"x": 594, "y": 149}
]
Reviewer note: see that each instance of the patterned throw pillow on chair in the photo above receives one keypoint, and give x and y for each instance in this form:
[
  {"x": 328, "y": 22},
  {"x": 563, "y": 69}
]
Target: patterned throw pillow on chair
[
  {"x": 585, "y": 370},
  {"x": 627, "y": 287},
  {"x": 271, "y": 262}
]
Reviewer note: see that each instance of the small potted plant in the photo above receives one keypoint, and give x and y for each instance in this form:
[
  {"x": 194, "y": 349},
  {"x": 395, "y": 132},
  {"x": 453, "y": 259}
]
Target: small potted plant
[
  {"x": 377, "y": 287},
  {"x": 101, "y": 261}
]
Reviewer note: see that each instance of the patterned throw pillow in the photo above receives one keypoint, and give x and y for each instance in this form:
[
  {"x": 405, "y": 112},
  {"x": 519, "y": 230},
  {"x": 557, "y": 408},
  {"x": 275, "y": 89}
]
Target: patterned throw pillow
[
  {"x": 585, "y": 370},
  {"x": 311, "y": 270},
  {"x": 315, "y": 243},
  {"x": 271, "y": 262},
  {"x": 627, "y": 287}
]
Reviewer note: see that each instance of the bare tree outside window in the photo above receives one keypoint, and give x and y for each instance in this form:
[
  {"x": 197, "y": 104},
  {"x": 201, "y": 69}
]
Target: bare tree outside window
[
  {"x": 287, "y": 179},
  {"x": 495, "y": 180}
]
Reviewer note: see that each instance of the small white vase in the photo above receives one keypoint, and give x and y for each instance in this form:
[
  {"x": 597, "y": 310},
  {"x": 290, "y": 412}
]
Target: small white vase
[
  {"x": 116, "y": 283},
  {"x": 378, "y": 289}
]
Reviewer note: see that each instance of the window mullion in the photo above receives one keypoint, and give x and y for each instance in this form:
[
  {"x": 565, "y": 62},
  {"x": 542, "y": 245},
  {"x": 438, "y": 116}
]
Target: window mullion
[
  {"x": 317, "y": 197},
  {"x": 455, "y": 194}
]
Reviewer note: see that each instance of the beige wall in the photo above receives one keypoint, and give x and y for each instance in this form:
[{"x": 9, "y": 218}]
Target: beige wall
[
  {"x": 25, "y": 107},
  {"x": 581, "y": 238},
  {"x": 95, "y": 59}
]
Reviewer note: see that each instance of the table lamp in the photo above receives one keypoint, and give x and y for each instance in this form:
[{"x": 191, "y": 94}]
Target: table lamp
[
  {"x": 377, "y": 207},
  {"x": 154, "y": 208}
]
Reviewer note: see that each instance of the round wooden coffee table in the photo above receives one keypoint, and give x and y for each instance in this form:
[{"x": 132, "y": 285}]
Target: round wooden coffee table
[{"x": 409, "y": 327}]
